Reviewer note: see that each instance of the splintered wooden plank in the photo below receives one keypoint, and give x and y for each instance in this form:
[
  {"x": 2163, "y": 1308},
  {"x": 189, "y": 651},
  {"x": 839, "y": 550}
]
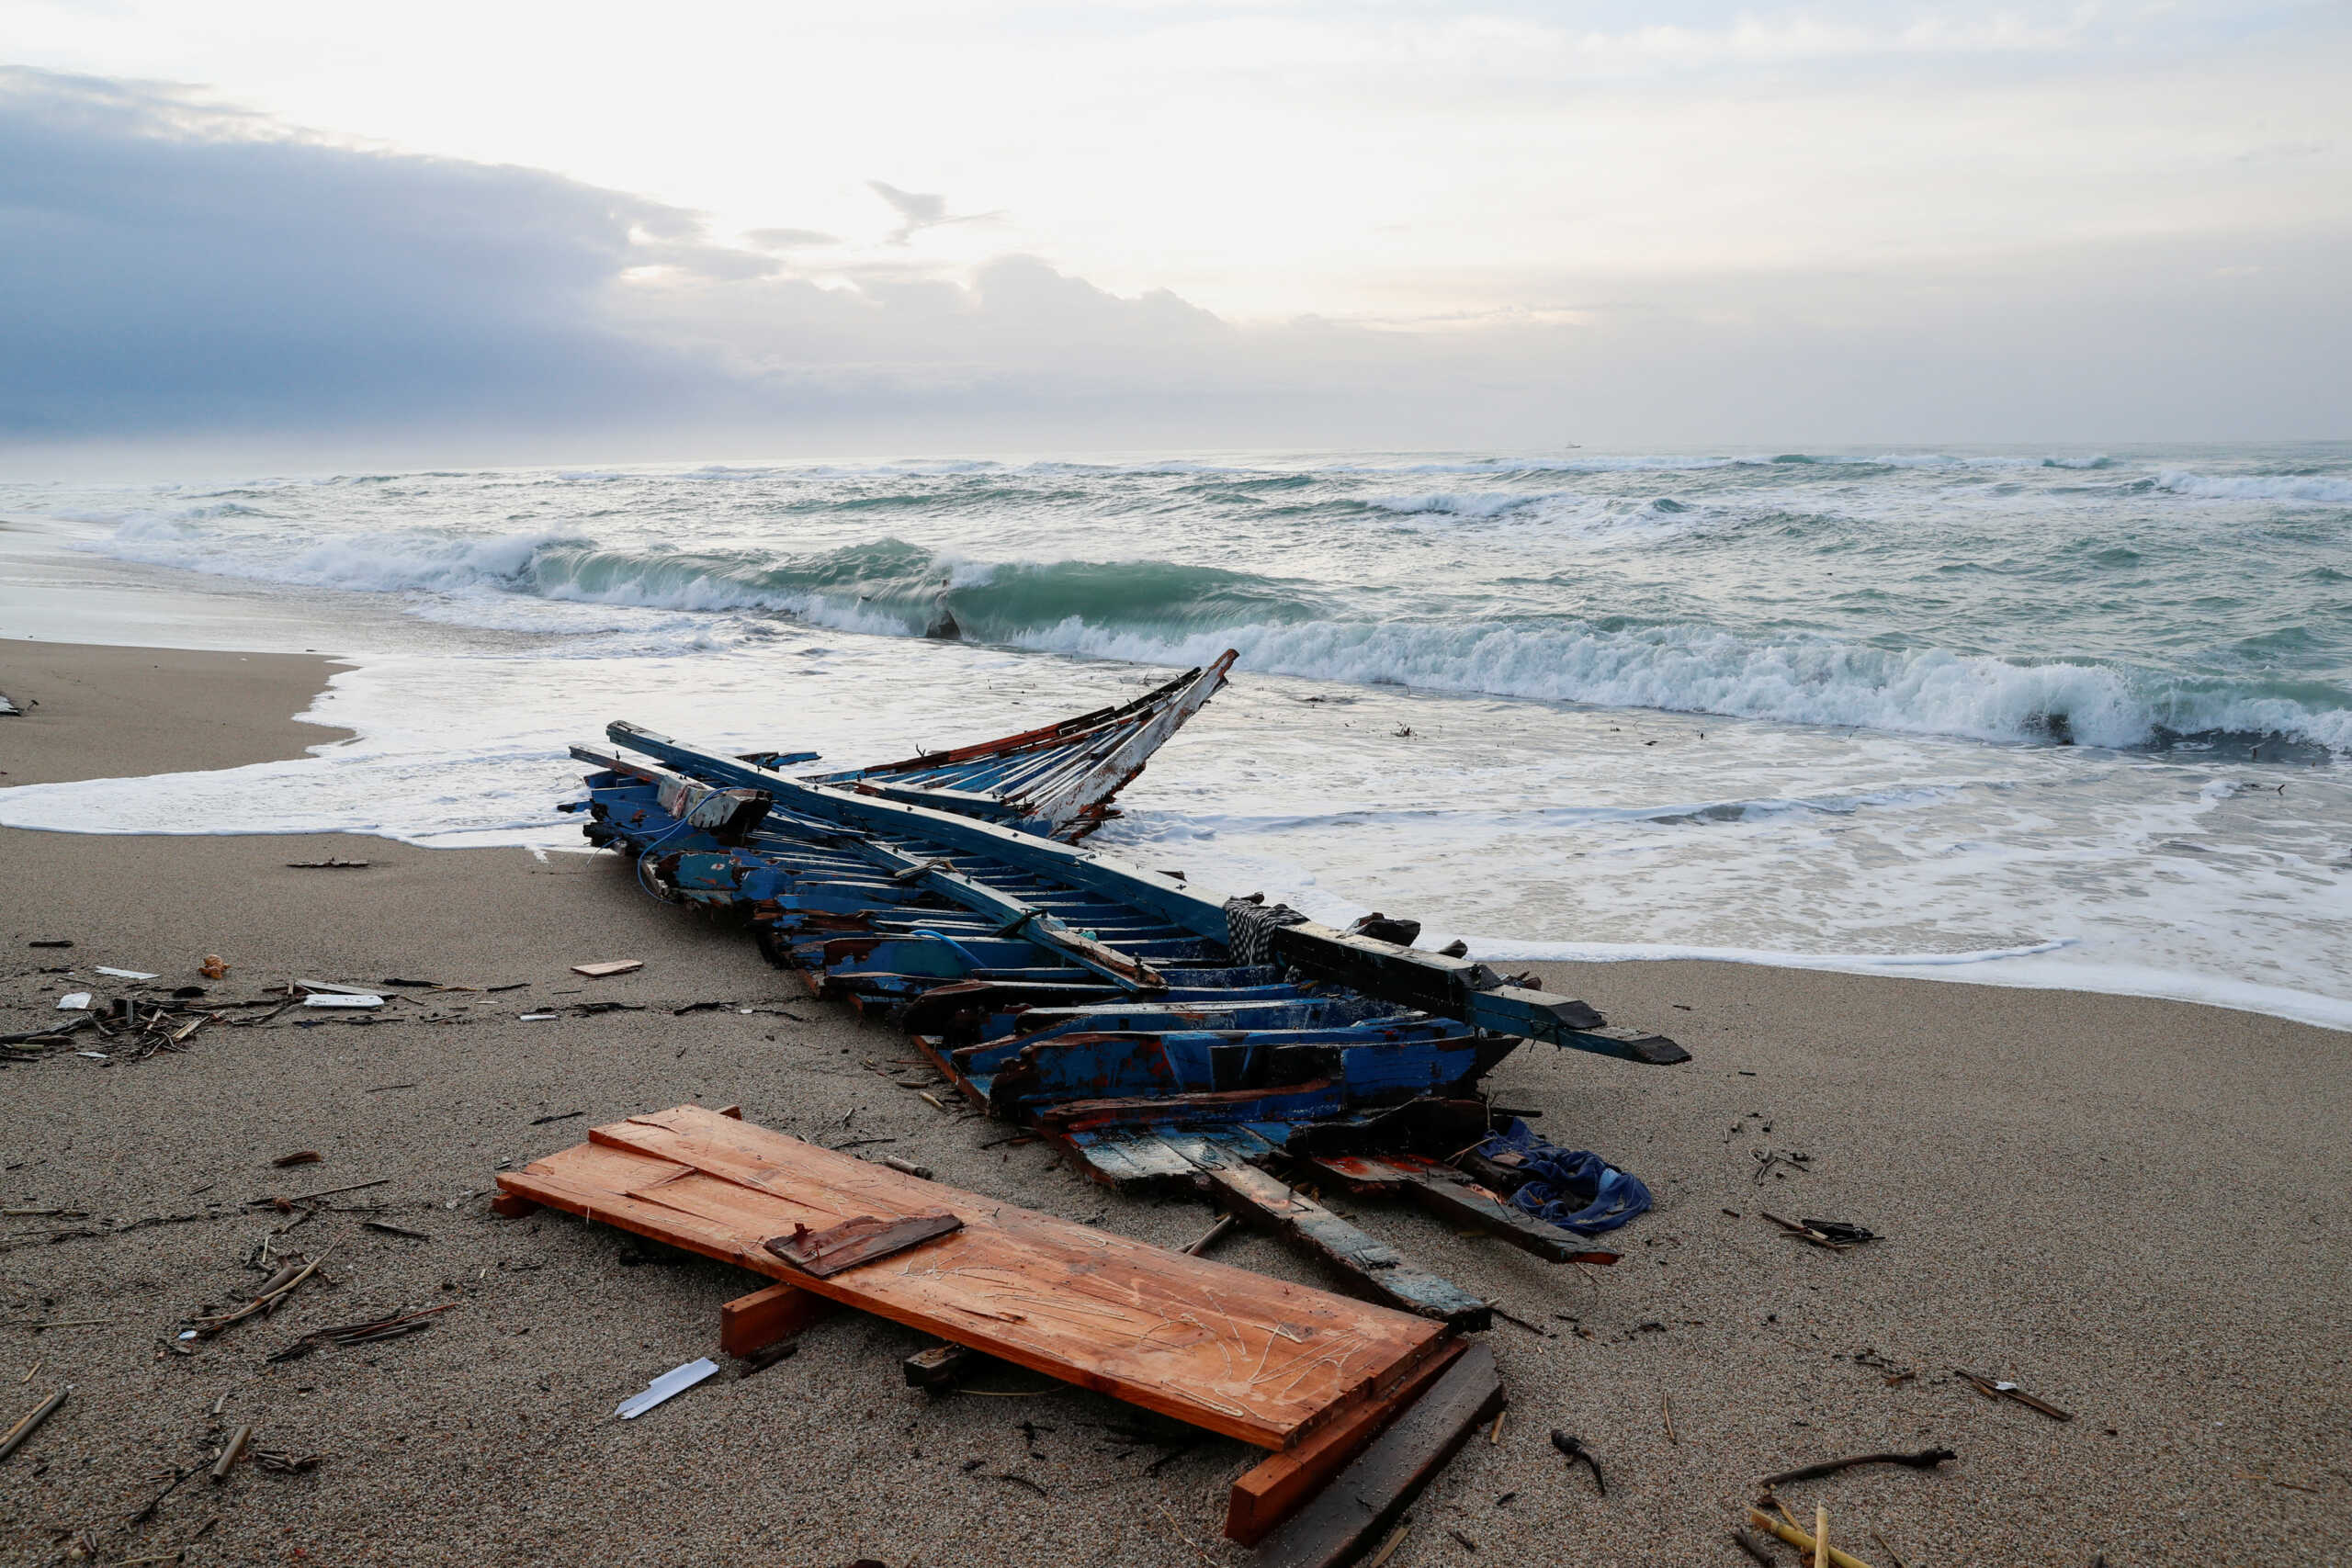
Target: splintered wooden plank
[
  {"x": 1336, "y": 1527},
  {"x": 1371, "y": 1263},
  {"x": 1126, "y": 1160},
  {"x": 1447, "y": 1191},
  {"x": 1251, "y": 1358},
  {"x": 1269, "y": 1491},
  {"x": 853, "y": 1243}
]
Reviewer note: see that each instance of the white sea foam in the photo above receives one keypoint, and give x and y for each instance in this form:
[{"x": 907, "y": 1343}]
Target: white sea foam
[
  {"x": 1700, "y": 670},
  {"x": 2316, "y": 488}
]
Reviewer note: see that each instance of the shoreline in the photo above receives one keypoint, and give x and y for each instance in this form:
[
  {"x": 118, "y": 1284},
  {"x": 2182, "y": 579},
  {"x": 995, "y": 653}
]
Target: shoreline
[
  {"x": 2124, "y": 1204},
  {"x": 98, "y": 710}
]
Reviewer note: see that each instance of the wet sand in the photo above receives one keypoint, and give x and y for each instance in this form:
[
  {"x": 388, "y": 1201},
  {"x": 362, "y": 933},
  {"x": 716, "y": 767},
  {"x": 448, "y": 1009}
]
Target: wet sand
[{"x": 2134, "y": 1209}]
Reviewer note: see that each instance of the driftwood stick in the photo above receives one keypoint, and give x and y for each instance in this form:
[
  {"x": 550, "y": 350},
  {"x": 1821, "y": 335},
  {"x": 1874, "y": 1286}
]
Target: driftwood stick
[
  {"x": 1925, "y": 1458},
  {"x": 1746, "y": 1541},
  {"x": 1992, "y": 1388},
  {"x": 233, "y": 1452},
  {"x": 31, "y": 1423},
  {"x": 1822, "y": 1550},
  {"x": 1208, "y": 1239},
  {"x": 1801, "y": 1540}
]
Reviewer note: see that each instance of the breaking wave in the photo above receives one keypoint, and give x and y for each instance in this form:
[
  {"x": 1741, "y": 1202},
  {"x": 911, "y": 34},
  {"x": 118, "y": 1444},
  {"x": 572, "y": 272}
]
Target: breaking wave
[
  {"x": 2319, "y": 488},
  {"x": 1169, "y": 613}
]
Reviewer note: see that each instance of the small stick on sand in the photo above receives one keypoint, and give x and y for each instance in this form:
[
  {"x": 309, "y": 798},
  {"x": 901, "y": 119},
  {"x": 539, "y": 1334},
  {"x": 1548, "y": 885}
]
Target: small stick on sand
[
  {"x": 31, "y": 1423},
  {"x": 1992, "y": 1390},
  {"x": 1822, "y": 1550},
  {"x": 1667, "y": 1411},
  {"x": 1925, "y": 1458},
  {"x": 1495, "y": 1437},
  {"x": 232, "y": 1452},
  {"x": 1208, "y": 1237},
  {"x": 1388, "y": 1548}
]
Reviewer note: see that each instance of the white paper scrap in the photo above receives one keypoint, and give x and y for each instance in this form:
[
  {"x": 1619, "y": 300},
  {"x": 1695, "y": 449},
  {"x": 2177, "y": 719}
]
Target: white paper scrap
[
  {"x": 74, "y": 1002},
  {"x": 677, "y": 1381},
  {"x": 125, "y": 973},
  {"x": 343, "y": 999}
]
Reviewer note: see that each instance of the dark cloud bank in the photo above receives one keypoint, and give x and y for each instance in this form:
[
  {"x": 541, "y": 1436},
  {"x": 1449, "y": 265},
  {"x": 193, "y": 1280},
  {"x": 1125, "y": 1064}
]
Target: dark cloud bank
[{"x": 176, "y": 274}]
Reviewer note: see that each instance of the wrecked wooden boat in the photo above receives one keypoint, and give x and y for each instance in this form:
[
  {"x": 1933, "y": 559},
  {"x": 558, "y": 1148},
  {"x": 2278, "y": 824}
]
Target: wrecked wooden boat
[{"x": 1160, "y": 1033}]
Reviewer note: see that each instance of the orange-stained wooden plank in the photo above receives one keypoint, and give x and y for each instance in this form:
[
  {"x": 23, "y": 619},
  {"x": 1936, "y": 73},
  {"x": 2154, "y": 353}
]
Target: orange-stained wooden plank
[
  {"x": 1253, "y": 1358},
  {"x": 753, "y": 1322},
  {"x": 1266, "y": 1494}
]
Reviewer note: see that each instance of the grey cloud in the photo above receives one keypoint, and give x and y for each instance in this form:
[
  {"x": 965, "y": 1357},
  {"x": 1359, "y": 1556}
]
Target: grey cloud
[{"x": 170, "y": 271}]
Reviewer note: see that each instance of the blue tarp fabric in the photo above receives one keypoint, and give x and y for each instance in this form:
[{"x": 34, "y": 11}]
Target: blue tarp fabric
[{"x": 1573, "y": 1189}]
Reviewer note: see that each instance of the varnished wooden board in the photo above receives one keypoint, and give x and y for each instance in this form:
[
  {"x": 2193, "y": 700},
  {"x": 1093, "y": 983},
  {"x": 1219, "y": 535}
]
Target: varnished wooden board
[{"x": 1220, "y": 1348}]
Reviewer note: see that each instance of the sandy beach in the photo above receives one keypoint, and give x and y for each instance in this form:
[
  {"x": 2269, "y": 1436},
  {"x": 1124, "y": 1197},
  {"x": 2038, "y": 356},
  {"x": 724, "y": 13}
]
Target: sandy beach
[{"x": 2133, "y": 1209}]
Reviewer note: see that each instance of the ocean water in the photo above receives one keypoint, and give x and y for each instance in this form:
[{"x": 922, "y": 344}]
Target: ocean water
[{"x": 2028, "y": 717}]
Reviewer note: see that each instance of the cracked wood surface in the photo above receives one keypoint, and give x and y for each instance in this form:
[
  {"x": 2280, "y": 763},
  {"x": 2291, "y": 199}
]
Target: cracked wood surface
[{"x": 1237, "y": 1353}]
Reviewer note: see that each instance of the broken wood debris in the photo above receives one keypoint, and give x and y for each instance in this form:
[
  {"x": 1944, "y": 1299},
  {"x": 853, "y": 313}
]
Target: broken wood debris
[
  {"x": 1573, "y": 1447},
  {"x": 609, "y": 967},
  {"x": 1925, "y": 1458},
  {"x": 330, "y": 863},
  {"x": 1100, "y": 1002},
  {"x": 1993, "y": 1389},
  {"x": 863, "y": 1239},
  {"x": 31, "y": 1421},
  {"x": 1807, "y": 1234},
  {"x": 1370, "y": 1495},
  {"x": 230, "y": 1451},
  {"x": 1801, "y": 1540},
  {"x": 301, "y": 1157},
  {"x": 279, "y": 1286},
  {"x": 393, "y": 1326},
  {"x": 1237, "y": 1353},
  {"x": 322, "y": 1192}
]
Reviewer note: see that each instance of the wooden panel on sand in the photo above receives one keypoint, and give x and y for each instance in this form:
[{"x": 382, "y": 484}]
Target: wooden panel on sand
[{"x": 1237, "y": 1353}]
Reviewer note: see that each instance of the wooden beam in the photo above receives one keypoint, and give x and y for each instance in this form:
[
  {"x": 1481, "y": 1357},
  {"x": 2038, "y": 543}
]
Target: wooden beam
[
  {"x": 1372, "y": 1265},
  {"x": 1366, "y": 1497},
  {"x": 1448, "y": 1192},
  {"x": 754, "y": 1321},
  {"x": 1272, "y": 1491}
]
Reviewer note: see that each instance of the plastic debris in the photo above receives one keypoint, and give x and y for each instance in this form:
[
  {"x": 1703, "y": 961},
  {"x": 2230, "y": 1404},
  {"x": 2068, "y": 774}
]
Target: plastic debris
[
  {"x": 342, "y": 999},
  {"x": 74, "y": 1002},
  {"x": 674, "y": 1381},
  {"x": 1573, "y": 1189},
  {"x": 125, "y": 973}
]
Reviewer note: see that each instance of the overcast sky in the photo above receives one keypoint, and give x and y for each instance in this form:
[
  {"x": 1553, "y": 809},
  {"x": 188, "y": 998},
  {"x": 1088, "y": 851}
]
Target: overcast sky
[{"x": 712, "y": 229}]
